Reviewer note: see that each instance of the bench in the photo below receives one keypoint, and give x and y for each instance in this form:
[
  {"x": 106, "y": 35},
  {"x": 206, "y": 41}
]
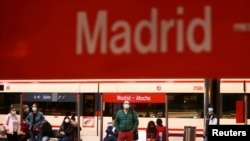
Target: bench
[
  {"x": 55, "y": 132},
  {"x": 53, "y": 138},
  {"x": 3, "y": 138}
]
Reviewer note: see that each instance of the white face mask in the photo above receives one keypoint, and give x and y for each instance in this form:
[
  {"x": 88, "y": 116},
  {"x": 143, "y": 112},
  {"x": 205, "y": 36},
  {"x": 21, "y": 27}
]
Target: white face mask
[
  {"x": 210, "y": 109},
  {"x": 13, "y": 112},
  {"x": 125, "y": 106},
  {"x": 66, "y": 120},
  {"x": 34, "y": 109}
]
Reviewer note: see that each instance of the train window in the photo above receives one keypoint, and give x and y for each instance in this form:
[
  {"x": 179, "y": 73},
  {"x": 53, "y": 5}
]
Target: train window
[
  {"x": 185, "y": 105},
  {"x": 52, "y": 103},
  {"x": 88, "y": 104},
  {"x": 1, "y": 87},
  {"x": 229, "y": 104},
  {"x": 56, "y": 109},
  {"x": 181, "y": 105},
  {"x": 7, "y": 99}
]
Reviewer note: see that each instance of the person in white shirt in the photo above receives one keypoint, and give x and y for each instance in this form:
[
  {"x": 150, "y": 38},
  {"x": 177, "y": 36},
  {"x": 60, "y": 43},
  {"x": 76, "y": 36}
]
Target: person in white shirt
[
  {"x": 211, "y": 119},
  {"x": 11, "y": 123}
]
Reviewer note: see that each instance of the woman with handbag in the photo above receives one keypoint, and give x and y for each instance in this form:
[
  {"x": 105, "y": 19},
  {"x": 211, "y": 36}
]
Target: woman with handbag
[
  {"x": 35, "y": 120},
  {"x": 11, "y": 124}
]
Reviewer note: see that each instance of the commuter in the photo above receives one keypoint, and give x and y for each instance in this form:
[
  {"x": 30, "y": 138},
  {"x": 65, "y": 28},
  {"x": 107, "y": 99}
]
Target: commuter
[
  {"x": 126, "y": 122},
  {"x": 26, "y": 110},
  {"x": 211, "y": 119},
  {"x": 161, "y": 130},
  {"x": 46, "y": 131},
  {"x": 35, "y": 120},
  {"x": 111, "y": 132},
  {"x": 66, "y": 130},
  {"x": 75, "y": 125},
  {"x": 24, "y": 134},
  {"x": 151, "y": 131},
  {"x": 12, "y": 125}
]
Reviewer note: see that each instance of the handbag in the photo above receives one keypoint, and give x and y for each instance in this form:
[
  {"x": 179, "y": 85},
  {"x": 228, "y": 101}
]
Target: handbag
[
  {"x": 60, "y": 135},
  {"x": 135, "y": 136},
  {"x": 36, "y": 128},
  {"x": 3, "y": 130}
]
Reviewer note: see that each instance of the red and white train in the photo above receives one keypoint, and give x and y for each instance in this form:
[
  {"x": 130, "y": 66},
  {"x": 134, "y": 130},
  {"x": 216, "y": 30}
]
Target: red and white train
[{"x": 95, "y": 101}]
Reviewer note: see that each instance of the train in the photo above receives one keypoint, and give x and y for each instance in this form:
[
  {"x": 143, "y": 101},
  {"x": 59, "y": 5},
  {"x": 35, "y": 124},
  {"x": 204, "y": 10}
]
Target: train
[{"x": 179, "y": 102}]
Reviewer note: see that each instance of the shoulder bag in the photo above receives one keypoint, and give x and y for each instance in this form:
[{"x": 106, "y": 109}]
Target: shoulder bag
[{"x": 135, "y": 137}]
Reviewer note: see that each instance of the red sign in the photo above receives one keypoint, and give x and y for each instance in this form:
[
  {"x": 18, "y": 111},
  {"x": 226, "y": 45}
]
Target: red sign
[
  {"x": 240, "y": 111},
  {"x": 134, "y": 97},
  {"x": 124, "y": 39}
]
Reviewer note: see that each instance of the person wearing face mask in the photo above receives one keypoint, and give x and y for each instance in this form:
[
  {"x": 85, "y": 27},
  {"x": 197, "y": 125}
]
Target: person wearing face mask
[
  {"x": 35, "y": 120},
  {"x": 126, "y": 122},
  {"x": 26, "y": 110},
  {"x": 111, "y": 132},
  {"x": 24, "y": 134},
  {"x": 211, "y": 119},
  {"x": 11, "y": 123},
  {"x": 66, "y": 130}
]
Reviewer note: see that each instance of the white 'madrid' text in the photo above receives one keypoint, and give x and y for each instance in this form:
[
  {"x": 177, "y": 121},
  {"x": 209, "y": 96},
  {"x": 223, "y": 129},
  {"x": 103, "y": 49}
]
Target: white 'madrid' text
[{"x": 132, "y": 36}]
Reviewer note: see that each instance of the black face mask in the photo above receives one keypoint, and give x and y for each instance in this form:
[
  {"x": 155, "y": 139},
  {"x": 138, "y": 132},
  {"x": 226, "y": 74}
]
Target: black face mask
[{"x": 26, "y": 111}]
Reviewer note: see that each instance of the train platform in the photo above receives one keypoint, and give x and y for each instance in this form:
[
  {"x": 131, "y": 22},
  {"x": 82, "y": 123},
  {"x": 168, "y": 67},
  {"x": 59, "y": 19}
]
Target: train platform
[
  {"x": 97, "y": 138},
  {"x": 142, "y": 137}
]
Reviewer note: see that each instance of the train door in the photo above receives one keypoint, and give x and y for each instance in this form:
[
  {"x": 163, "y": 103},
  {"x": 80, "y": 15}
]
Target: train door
[
  {"x": 233, "y": 91},
  {"x": 88, "y": 107},
  {"x": 139, "y": 93}
]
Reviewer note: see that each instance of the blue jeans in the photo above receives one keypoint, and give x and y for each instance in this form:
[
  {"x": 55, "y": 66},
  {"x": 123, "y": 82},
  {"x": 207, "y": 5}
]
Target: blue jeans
[
  {"x": 67, "y": 138},
  {"x": 205, "y": 138},
  {"x": 35, "y": 136},
  {"x": 45, "y": 138}
]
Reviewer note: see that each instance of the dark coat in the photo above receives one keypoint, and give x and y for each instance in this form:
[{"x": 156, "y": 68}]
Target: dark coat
[
  {"x": 111, "y": 134},
  {"x": 47, "y": 129}
]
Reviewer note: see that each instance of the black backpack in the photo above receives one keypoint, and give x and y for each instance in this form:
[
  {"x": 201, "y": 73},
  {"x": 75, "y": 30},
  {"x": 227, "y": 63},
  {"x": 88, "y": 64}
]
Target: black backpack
[{"x": 47, "y": 129}]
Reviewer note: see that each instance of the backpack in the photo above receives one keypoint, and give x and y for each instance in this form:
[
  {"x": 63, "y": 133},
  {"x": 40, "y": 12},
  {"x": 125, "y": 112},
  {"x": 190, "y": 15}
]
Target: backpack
[{"x": 47, "y": 129}]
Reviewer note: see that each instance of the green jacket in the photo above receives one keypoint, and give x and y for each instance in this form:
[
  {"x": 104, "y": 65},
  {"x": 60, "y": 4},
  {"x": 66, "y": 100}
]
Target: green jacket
[{"x": 125, "y": 122}]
